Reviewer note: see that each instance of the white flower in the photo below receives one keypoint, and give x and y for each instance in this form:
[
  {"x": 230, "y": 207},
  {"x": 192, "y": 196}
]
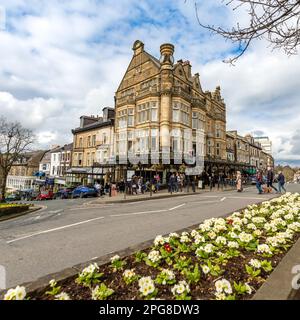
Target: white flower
[
  {"x": 159, "y": 240},
  {"x": 205, "y": 269},
  {"x": 223, "y": 286},
  {"x": 208, "y": 248},
  {"x": 194, "y": 233},
  {"x": 245, "y": 237},
  {"x": 258, "y": 220},
  {"x": 169, "y": 274},
  {"x": 184, "y": 238},
  {"x": 264, "y": 248},
  {"x": 212, "y": 234},
  {"x": 233, "y": 244},
  {"x": 221, "y": 240},
  {"x": 62, "y": 296},
  {"x": 174, "y": 235},
  {"x": 52, "y": 283},
  {"x": 154, "y": 256},
  {"x": 199, "y": 239},
  {"x": 255, "y": 263},
  {"x": 19, "y": 293},
  {"x": 233, "y": 235},
  {"x": 257, "y": 233},
  {"x": 248, "y": 288},
  {"x": 128, "y": 273},
  {"x": 251, "y": 226},
  {"x": 146, "y": 286},
  {"x": 115, "y": 258},
  {"x": 180, "y": 288},
  {"x": 220, "y": 296},
  {"x": 92, "y": 268}
]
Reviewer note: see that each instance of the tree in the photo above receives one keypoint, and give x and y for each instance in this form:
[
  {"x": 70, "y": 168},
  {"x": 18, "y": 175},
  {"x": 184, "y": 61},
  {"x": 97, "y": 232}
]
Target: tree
[
  {"x": 277, "y": 21},
  {"x": 14, "y": 141}
]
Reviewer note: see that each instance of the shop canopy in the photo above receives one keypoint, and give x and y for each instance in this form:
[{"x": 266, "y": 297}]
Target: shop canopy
[{"x": 39, "y": 174}]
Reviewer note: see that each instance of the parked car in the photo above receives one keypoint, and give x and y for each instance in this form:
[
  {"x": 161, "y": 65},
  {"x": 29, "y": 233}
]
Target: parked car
[
  {"x": 64, "y": 193},
  {"x": 29, "y": 194},
  {"x": 45, "y": 195},
  {"x": 84, "y": 192},
  {"x": 13, "y": 197}
]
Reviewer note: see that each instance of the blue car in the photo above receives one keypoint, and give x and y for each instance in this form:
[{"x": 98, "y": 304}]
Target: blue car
[{"x": 84, "y": 192}]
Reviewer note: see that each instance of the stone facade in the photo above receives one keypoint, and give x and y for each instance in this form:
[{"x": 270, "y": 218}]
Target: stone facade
[
  {"x": 161, "y": 99},
  {"x": 21, "y": 175},
  {"x": 93, "y": 143}
]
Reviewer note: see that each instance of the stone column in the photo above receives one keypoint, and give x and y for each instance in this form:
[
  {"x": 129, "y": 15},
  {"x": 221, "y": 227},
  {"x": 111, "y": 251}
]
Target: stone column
[{"x": 166, "y": 78}]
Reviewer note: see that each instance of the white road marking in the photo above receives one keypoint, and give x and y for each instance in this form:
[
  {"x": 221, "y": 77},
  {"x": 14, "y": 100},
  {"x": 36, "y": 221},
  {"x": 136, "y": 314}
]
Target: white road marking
[
  {"x": 137, "y": 213},
  {"x": 206, "y": 201},
  {"x": 223, "y": 199},
  {"x": 179, "y": 206},
  {"x": 91, "y": 207},
  {"x": 56, "y": 211},
  {"x": 54, "y": 229},
  {"x": 36, "y": 218},
  {"x": 254, "y": 198}
]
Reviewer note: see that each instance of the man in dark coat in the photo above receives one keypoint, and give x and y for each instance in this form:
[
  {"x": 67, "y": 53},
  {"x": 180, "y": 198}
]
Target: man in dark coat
[{"x": 270, "y": 179}]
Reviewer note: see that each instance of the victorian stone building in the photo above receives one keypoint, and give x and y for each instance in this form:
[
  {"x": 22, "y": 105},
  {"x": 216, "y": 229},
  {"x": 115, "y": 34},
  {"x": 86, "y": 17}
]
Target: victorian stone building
[
  {"x": 157, "y": 100},
  {"x": 93, "y": 146}
]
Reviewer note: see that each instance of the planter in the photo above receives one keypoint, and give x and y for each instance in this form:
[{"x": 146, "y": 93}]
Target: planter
[{"x": 222, "y": 258}]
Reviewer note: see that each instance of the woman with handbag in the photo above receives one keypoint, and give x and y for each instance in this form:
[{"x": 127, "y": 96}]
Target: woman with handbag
[{"x": 239, "y": 183}]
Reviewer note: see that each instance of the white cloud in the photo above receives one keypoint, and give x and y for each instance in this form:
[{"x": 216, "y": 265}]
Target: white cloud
[{"x": 60, "y": 60}]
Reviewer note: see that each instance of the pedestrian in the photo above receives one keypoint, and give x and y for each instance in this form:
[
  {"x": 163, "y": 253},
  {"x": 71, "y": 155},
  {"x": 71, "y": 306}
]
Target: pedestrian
[
  {"x": 239, "y": 182},
  {"x": 157, "y": 182},
  {"x": 281, "y": 182},
  {"x": 270, "y": 178},
  {"x": 211, "y": 181},
  {"x": 259, "y": 181},
  {"x": 194, "y": 184},
  {"x": 172, "y": 183}
]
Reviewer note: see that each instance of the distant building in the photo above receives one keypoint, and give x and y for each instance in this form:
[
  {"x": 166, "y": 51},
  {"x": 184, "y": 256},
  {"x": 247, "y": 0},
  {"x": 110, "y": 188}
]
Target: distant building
[
  {"x": 45, "y": 164},
  {"x": 265, "y": 143},
  {"x": 61, "y": 159},
  {"x": 23, "y": 172},
  {"x": 93, "y": 146}
]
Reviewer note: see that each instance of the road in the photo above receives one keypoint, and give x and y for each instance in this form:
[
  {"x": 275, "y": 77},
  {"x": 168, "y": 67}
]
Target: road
[{"x": 69, "y": 232}]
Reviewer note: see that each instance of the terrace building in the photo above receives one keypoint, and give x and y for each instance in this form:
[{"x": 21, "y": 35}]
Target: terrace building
[{"x": 156, "y": 101}]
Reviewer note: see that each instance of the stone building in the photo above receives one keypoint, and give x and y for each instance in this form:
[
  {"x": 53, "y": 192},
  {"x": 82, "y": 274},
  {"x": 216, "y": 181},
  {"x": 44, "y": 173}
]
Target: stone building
[
  {"x": 157, "y": 100},
  {"x": 23, "y": 172},
  {"x": 93, "y": 143}
]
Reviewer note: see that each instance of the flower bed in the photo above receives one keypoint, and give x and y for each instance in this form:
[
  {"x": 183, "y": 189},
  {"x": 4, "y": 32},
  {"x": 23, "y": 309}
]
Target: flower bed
[
  {"x": 12, "y": 208},
  {"x": 225, "y": 258}
]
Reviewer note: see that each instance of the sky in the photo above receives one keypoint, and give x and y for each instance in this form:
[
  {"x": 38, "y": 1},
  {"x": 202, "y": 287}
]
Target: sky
[{"x": 63, "y": 59}]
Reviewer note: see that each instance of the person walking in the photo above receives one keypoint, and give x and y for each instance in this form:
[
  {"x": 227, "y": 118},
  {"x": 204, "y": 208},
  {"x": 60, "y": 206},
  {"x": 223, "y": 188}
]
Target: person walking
[
  {"x": 239, "y": 182},
  {"x": 281, "y": 182},
  {"x": 259, "y": 181},
  {"x": 270, "y": 179},
  {"x": 172, "y": 183}
]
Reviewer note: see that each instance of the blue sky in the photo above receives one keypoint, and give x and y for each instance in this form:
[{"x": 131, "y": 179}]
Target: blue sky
[{"x": 62, "y": 59}]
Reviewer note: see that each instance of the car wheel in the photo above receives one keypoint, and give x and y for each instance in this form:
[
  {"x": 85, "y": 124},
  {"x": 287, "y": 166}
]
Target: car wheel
[{"x": 81, "y": 194}]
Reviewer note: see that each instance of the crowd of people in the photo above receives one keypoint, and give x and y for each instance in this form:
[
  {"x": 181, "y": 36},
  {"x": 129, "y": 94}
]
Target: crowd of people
[
  {"x": 264, "y": 183},
  {"x": 179, "y": 182}
]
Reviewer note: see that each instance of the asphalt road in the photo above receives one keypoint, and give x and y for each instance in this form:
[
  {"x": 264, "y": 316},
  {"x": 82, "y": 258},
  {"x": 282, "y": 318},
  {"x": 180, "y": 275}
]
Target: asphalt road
[{"x": 68, "y": 232}]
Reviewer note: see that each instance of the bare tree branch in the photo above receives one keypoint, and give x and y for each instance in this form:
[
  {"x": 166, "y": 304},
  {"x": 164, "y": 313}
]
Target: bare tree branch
[
  {"x": 277, "y": 21},
  {"x": 14, "y": 141}
]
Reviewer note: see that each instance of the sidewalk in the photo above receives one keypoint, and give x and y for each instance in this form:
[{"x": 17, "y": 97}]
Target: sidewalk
[{"x": 121, "y": 198}]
